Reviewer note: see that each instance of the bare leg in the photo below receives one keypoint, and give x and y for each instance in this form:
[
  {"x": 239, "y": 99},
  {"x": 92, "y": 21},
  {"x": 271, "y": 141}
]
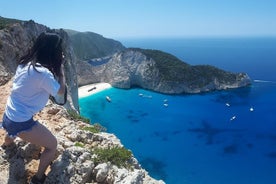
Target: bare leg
[{"x": 41, "y": 136}]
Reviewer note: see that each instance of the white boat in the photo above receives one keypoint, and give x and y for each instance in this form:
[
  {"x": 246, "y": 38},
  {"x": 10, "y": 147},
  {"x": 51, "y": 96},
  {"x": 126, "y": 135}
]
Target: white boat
[
  {"x": 233, "y": 118},
  {"x": 108, "y": 98}
]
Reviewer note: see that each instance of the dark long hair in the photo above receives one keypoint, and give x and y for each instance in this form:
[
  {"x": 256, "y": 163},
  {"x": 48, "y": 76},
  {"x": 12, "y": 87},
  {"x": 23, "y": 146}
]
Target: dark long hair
[{"x": 47, "y": 50}]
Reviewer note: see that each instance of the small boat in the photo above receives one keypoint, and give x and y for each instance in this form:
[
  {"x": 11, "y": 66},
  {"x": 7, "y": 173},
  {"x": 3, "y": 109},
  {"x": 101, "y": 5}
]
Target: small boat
[
  {"x": 108, "y": 98},
  {"x": 227, "y": 104},
  {"x": 91, "y": 89},
  {"x": 166, "y": 105},
  {"x": 233, "y": 118},
  {"x": 251, "y": 109}
]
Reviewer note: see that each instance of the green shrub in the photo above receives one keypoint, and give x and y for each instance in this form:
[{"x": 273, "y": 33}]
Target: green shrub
[
  {"x": 79, "y": 144},
  {"x": 95, "y": 128},
  {"x": 75, "y": 116},
  {"x": 119, "y": 156}
]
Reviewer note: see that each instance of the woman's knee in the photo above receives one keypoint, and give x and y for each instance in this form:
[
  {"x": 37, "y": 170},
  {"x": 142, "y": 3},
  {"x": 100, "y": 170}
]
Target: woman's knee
[
  {"x": 51, "y": 143},
  {"x": 51, "y": 148}
]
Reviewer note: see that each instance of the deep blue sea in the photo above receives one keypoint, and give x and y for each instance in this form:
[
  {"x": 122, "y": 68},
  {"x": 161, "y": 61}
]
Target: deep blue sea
[{"x": 222, "y": 137}]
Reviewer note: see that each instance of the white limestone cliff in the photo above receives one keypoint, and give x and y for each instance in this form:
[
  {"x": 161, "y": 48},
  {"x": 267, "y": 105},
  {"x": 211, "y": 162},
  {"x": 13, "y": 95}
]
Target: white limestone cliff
[{"x": 132, "y": 68}]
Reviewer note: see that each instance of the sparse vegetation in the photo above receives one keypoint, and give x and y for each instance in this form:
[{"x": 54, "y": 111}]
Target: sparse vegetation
[
  {"x": 118, "y": 156},
  {"x": 75, "y": 116},
  {"x": 95, "y": 128},
  {"x": 210, "y": 72},
  {"x": 4, "y": 22},
  {"x": 79, "y": 144},
  {"x": 171, "y": 68},
  {"x": 174, "y": 70},
  {"x": 89, "y": 45}
]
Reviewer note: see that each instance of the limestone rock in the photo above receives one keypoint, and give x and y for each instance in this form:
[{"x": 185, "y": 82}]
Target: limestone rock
[{"x": 101, "y": 172}]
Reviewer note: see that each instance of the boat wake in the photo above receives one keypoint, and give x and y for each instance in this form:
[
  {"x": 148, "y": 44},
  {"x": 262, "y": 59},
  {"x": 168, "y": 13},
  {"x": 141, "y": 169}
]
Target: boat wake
[{"x": 265, "y": 81}]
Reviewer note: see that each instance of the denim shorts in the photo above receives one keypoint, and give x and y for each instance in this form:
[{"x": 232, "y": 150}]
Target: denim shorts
[{"x": 14, "y": 128}]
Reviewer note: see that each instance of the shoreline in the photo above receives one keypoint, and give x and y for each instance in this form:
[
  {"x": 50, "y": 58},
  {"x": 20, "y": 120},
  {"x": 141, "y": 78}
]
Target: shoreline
[{"x": 92, "y": 89}]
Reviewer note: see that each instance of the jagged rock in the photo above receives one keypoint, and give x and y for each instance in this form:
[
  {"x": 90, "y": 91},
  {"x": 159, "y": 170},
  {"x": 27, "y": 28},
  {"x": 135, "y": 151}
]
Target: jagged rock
[{"x": 101, "y": 172}]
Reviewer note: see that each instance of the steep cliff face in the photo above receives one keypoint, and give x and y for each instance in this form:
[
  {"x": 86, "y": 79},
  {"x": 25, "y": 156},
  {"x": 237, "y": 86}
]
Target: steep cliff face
[
  {"x": 16, "y": 39},
  {"x": 157, "y": 71},
  {"x": 124, "y": 70}
]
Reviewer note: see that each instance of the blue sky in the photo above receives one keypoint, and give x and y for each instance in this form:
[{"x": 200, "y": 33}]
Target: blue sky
[{"x": 150, "y": 18}]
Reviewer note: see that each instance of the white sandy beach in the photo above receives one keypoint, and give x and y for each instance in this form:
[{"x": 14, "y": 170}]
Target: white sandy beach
[{"x": 91, "y": 89}]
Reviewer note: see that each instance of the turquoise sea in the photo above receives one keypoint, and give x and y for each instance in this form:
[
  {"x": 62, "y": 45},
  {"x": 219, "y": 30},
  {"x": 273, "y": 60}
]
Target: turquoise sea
[{"x": 222, "y": 137}]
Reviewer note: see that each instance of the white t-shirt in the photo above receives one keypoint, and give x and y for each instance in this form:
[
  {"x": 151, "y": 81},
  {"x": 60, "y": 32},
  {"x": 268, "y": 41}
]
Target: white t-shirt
[{"x": 30, "y": 92}]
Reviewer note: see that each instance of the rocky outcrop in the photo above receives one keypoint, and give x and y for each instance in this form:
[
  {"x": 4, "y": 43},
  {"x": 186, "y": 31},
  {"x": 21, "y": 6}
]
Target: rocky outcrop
[
  {"x": 17, "y": 38},
  {"x": 157, "y": 71}
]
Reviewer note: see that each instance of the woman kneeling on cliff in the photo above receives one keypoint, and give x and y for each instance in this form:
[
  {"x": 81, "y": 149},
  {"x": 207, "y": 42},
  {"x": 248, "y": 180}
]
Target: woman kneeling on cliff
[{"x": 40, "y": 73}]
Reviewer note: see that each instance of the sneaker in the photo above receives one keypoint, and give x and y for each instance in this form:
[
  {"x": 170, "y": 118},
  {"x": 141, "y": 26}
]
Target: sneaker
[
  {"x": 9, "y": 150},
  {"x": 35, "y": 180}
]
